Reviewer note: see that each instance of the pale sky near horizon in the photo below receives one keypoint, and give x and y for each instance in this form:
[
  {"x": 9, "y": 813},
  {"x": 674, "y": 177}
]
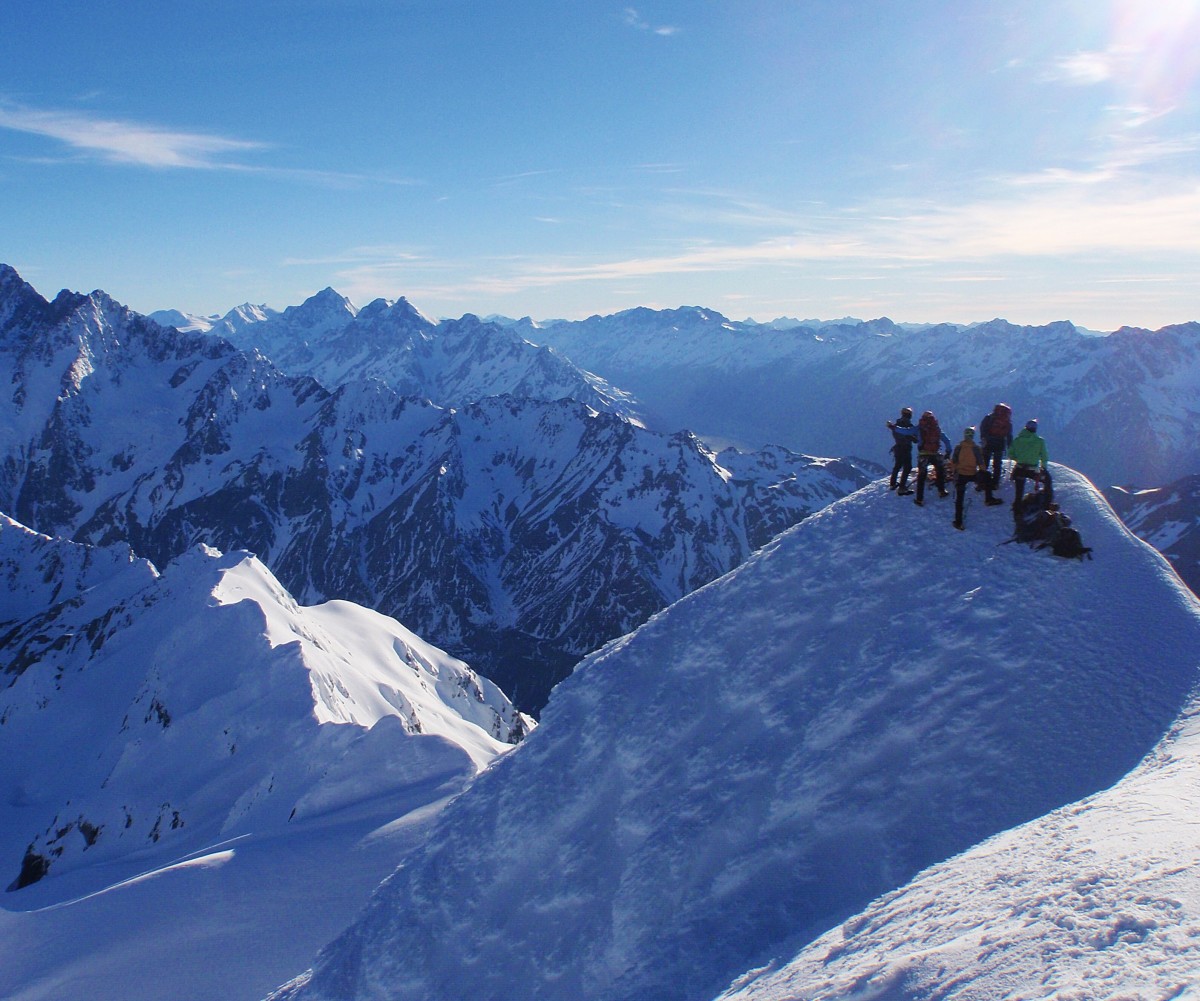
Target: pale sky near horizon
[{"x": 933, "y": 160}]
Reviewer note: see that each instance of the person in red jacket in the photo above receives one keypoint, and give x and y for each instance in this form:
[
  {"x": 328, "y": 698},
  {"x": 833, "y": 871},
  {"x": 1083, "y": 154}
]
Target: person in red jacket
[
  {"x": 996, "y": 431},
  {"x": 930, "y": 439}
]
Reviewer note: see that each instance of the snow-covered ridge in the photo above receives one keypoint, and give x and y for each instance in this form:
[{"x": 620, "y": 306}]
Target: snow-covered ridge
[
  {"x": 870, "y": 695},
  {"x": 155, "y": 714}
]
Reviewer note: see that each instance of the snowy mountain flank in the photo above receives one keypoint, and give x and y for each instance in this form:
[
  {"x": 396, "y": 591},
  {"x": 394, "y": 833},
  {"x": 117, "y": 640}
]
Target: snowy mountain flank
[
  {"x": 1168, "y": 518},
  {"x": 516, "y": 533},
  {"x": 1122, "y": 408},
  {"x": 154, "y": 714},
  {"x": 869, "y": 696}
]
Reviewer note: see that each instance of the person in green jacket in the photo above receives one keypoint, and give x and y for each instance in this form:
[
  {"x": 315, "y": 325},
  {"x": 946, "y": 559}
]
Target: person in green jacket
[{"x": 1028, "y": 452}]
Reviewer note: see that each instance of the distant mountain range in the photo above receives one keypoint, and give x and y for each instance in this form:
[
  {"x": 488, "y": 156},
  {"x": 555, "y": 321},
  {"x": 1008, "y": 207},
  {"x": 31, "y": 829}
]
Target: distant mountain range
[
  {"x": 518, "y": 533},
  {"x": 1123, "y": 408},
  {"x": 451, "y": 363}
]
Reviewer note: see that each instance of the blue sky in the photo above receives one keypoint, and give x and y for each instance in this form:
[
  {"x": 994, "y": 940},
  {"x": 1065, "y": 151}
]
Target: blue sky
[{"x": 928, "y": 160}]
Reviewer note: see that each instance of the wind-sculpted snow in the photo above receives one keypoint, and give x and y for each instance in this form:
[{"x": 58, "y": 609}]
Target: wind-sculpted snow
[
  {"x": 517, "y": 533},
  {"x": 1122, "y": 408},
  {"x": 1095, "y": 901},
  {"x": 157, "y": 714},
  {"x": 870, "y": 695}
]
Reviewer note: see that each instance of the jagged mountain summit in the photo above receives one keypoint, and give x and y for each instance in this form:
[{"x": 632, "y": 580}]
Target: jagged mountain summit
[
  {"x": 871, "y": 694},
  {"x": 1122, "y": 407},
  {"x": 149, "y": 715},
  {"x": 518, "y": 534},
  {"x": 451, "y": 363}
]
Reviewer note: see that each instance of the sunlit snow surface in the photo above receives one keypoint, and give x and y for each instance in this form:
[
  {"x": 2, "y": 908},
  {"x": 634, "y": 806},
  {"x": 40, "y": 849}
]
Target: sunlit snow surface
[
  {"x": 214, "y": 776},
  {"x": 872, "y": 695}
]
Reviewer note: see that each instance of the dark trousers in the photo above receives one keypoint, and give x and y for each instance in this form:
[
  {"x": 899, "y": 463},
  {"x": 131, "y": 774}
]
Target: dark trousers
[
  {"x": 903, "y": 464},
  {"x": 1023, "y": 473},
  {"x": 924, "y": 460},
  {"x": 993, "y": 455},
  {"x": 960, "y": 488}
]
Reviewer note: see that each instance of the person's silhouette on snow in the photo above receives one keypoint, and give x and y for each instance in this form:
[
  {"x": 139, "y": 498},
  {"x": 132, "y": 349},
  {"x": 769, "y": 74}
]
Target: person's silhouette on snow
[{"x": 904, "y": 436}]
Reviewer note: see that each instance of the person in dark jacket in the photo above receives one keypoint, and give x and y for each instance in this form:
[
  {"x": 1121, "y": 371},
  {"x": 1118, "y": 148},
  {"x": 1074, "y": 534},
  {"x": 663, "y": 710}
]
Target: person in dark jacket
[
  {"x": 930, "y": 439},
  {"x": 966, "y": 461},
  {"x": 904, "y": 436},
  {"x": 996, "y": 432},
  {"x": 1028, "y": 452}
]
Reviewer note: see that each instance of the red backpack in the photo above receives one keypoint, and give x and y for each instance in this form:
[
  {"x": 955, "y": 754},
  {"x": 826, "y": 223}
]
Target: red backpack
[
  {"x": 999, "y": 423},
  {"x": 930, "y": 436}
]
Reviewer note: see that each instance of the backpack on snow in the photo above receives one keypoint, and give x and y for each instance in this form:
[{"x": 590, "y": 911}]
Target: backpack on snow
[{"x": 1039, "y": 523}]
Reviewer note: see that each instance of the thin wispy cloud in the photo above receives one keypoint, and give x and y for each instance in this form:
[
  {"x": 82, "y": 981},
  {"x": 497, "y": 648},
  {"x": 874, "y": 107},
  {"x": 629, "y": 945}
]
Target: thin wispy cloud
[
  {"x": 635, "y": 20},
  {"x": 124, "y": 142},
  {"x": 1043, "y": 224},
  {"x": 1084, "y": 68}
]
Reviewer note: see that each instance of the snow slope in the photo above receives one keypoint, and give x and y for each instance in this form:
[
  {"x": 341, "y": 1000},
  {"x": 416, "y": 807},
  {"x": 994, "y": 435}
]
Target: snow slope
[
  {"x": 1098, "y": 900},
  {"x": 197, "y": 732},
  {"x": 870, "y": 695}
]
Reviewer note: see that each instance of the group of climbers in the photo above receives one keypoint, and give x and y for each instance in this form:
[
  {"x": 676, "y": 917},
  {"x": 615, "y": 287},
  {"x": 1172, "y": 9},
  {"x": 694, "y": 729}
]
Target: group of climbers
[{"x": 968, "y": 462}]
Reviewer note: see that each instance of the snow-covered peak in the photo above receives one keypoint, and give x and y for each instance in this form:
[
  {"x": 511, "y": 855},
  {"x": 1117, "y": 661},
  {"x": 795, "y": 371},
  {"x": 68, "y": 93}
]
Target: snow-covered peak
[
  {"x": 326, "y": 311},
  {"x": 870, "y": 695},
  {"x": 147, "y": 714}
]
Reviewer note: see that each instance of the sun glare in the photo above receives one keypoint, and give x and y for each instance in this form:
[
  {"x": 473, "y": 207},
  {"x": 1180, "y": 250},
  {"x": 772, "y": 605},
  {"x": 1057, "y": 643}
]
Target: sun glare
[{"x": 1160, "y": 41}]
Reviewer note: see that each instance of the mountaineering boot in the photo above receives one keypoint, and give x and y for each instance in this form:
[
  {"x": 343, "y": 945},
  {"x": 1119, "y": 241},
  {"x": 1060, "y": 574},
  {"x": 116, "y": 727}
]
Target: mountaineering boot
[
  {"x": 904, "y": 492},
  {"x": 993, "y": 501},
  {"x": 919, "y": 502},
  {"x": 958, "y": 525}
]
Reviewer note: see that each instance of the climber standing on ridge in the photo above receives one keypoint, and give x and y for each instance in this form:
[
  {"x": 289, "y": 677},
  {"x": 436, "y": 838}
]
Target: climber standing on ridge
[
  {"x": 930, "y": 439},
  {"x": 1028, "y": 452},
  {"x": 996, "y": 431},
  {"x": 966, "y": 462},
  {"x": 904, "y": 436}
]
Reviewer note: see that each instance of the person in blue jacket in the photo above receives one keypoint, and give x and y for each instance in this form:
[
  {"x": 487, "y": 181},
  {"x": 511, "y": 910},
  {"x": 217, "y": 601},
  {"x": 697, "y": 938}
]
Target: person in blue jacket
[{"x": 904, "y": 436}]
